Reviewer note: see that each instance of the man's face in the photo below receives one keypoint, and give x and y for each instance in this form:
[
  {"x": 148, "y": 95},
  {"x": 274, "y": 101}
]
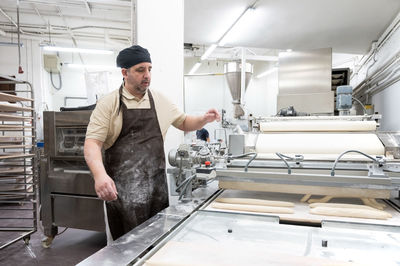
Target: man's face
[{"x": 138, "y": 77}]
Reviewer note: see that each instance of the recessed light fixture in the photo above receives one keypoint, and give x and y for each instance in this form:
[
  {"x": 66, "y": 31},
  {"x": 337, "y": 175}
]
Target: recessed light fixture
[
  {"x": 108, "y": 67},
  {"x": 76, "y": 50}
]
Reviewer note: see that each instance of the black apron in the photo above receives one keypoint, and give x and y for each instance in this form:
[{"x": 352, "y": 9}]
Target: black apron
[{"x": 136, "y": 163}]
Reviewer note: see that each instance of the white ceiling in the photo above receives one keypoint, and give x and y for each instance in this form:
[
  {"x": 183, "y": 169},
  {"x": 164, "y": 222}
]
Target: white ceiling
[
  {"x": 348, "y": 26},
  {"x": 105, "y": 22}
]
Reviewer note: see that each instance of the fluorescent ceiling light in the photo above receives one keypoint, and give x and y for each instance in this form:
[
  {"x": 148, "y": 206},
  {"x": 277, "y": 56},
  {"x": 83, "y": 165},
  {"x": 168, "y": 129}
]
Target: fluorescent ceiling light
[
  {"x": 11, "y": 44},
  {"x": 209, "y": 51},
  {"x": 194, "y": 68},
  {"x": 289, "y": 50},
  {"x": 80, "y": 66},
  {"x": 266, "y": 73},
  {"x": 245, "y": 22},
  {"x": 241, "y": 24},
  {"x": 76, "y": 50}
]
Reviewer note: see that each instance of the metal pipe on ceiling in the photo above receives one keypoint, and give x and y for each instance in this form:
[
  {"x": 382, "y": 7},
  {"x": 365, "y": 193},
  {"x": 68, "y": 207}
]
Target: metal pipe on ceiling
[
  {"x": 61, "y": 36},
  {"x": 93, "y": 18},
  {"x": 12, "y": 21},
  {"x": 377, "y": 45},
  {"x": 98, "y": 27},
  {"x": 88, "y": 7},
  {"x": 110, "y": 4},
  {"x": 58, "y": 27},
  {"x": 359, "y": 89},
  {"x": 385, "y": 85},
  {"x": 38, "y": 13},
  {"x": 133, "y": 22},
  {"x": 20, "y": 71},
  {"x": 71, "y": 35}
]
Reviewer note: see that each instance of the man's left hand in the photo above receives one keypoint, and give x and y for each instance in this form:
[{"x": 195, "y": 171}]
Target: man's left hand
[{"x": 212, "y": 115}]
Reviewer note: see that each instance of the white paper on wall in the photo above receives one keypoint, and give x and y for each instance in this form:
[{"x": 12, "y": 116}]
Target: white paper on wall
[{"x": 97, "y": 85}]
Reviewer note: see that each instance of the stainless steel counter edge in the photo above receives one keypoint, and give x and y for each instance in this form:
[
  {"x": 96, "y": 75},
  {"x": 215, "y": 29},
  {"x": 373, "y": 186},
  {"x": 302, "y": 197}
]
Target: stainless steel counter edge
[{"x": 135, "y": 243}]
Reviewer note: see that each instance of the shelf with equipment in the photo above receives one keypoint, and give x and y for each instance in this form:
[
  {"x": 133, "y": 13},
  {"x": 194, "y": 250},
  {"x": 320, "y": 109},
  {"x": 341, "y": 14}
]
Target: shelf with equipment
[{"x": 18, "y": 171}]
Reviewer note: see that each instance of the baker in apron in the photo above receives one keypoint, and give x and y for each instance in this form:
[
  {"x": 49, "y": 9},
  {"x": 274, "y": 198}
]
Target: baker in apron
[{"x": 132, "y": 180}]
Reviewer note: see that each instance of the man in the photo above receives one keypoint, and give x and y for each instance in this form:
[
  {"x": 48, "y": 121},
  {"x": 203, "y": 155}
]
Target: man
[
  {"x": 203, "y": 134},
  {"x": 131, "y": 124}
]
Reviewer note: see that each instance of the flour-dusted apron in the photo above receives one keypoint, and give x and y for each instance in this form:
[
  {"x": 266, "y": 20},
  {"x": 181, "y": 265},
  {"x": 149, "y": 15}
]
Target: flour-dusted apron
[{"x": 136, "y": 163}]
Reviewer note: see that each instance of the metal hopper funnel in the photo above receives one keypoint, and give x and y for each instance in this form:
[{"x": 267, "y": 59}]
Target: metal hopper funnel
[{"x": 233, "y": 74}]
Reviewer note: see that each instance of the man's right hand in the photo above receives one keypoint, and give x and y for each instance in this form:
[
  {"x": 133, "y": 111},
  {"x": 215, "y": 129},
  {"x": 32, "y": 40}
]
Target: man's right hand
[
  {"x": 103, "y": 184},
  {"x": 105, "y": 188}
]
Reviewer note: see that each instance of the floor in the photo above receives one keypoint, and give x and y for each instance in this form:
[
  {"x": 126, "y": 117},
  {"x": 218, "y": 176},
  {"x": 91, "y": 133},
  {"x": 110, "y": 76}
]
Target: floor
[{"x": 68, "y": 248}]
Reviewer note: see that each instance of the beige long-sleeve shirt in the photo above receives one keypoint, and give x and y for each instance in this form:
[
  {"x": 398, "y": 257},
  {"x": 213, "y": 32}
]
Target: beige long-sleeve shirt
[{"x": 106, "y": 122}]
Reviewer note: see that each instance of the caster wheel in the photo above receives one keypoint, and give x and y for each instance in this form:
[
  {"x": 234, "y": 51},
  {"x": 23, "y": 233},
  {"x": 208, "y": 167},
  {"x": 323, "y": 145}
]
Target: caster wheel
[
  {"x": 26, "y": 240},
  {"x": 46, "y": 242}
]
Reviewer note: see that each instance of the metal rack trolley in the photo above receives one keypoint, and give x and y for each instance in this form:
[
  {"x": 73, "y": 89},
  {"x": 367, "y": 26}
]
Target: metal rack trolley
[{"x": 18, "y": 171}]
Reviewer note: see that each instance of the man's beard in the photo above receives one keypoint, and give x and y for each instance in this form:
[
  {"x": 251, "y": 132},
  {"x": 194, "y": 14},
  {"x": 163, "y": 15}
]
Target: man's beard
[{"x": 141, "y": 89}]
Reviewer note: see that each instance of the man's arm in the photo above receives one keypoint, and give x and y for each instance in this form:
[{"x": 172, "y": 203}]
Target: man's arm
[
  {"x": 104, "y": 185},
  {"x": 197, "y": 122}
]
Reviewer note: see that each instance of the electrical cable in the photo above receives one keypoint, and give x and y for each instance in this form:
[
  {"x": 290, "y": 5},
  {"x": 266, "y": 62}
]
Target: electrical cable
[
  {"x": 240, "y": 155},
  {"x": 184, "y": 182},
  {"x": 284, "y": 160},
  {"x": 187, "y": 181},
  {"x": 40, "y": 225},
  {"x": 62, "y": 231},
  {"x": 244, "y": 155},
  {"x": 59, "y": 78},
  {"x": 362, "y": 105},
  {"x": 296, "y": 158},
  {"x": 362, "y": 153},
  {"x": 248, "y": 163}
]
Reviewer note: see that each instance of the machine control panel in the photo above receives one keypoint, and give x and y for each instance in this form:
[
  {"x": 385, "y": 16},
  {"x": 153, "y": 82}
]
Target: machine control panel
[{"x": 70, "y": 141}]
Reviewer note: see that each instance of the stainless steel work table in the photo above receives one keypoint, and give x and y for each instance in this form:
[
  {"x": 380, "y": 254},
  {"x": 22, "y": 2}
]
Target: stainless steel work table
[{"x": 137, "y": 242}]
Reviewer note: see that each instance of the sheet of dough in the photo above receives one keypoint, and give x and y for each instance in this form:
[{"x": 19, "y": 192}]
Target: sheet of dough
[
  {"x": 231, "y": 254},
  {"x": 318, "y": 143},
  {"x": 347, "y": 212},
  {"x": 250, "y": 201},
  {"x": 317, "y": 125},
  {"x": 302, "y": 209},
  {"x": 346, "y": 192},
  {"x": 341, "y": 205},
  {"x": 251, "y": 208}
]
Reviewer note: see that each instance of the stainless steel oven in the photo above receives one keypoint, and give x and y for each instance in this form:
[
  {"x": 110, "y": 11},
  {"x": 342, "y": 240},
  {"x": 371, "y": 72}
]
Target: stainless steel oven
[{"x": 68, "y": 198}]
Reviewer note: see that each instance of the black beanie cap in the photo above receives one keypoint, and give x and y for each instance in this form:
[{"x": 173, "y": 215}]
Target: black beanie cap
[{"x": 133, "y": 55}]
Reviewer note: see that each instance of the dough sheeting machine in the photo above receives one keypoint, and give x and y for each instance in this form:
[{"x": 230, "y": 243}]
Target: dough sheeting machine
[{"x": 327, "y": 160}]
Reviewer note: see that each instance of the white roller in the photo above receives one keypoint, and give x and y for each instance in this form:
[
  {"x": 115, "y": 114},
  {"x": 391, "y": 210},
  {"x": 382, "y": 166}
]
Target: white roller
[
  {"x": 318, "y": 143},
  {"x": 317, "y": 125},
  {"x": 319, "y": 157}
]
